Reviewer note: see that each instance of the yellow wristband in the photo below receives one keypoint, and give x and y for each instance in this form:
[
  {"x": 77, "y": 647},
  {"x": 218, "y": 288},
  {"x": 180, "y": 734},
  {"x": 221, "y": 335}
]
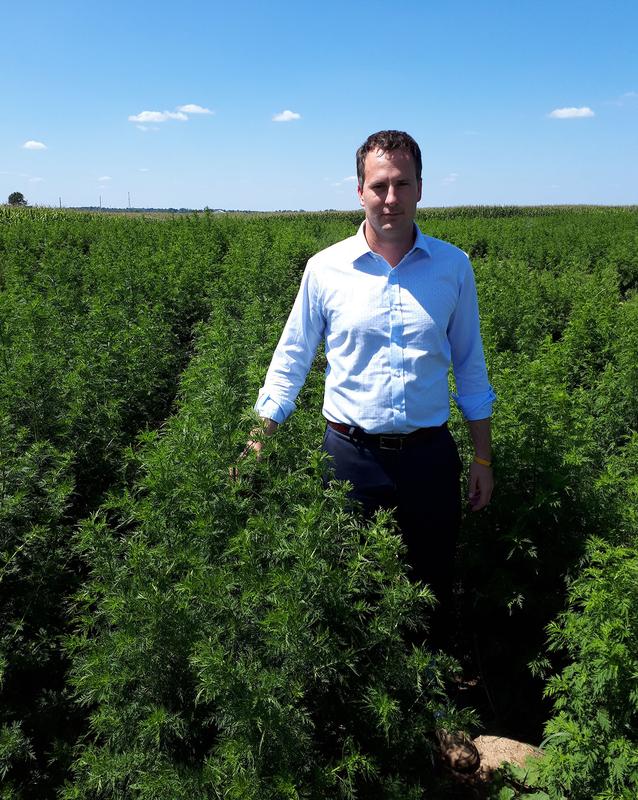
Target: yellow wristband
[{"x": 482, "y": 461}]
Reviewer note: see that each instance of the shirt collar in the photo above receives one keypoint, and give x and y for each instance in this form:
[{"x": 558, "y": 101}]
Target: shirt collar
[{"x": 360, "y": 246}]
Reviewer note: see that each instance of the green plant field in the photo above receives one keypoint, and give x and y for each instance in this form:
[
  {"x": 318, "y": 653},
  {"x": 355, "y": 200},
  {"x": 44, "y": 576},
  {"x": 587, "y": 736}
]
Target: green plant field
[{"x": 168, "y": 633}]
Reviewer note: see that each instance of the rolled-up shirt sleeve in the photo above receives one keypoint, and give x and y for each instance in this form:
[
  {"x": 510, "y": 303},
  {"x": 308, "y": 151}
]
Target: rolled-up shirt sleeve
[
  {"x": 294, "y": 353},
  {"x": 474, "y": 395}
]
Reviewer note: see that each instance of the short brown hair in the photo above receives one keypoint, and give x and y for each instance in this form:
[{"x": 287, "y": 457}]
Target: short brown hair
[{"x": 387, "y": 141}]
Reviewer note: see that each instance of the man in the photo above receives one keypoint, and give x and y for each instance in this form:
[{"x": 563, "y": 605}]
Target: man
[{"x": 395, "y": 308}]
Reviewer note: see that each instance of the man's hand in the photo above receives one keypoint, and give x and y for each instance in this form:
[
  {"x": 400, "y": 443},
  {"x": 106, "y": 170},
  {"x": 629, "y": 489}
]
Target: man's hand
[
  {"x": 255, "y": 443},
  {"x": 481, "y": 480},
  {"x": 480, "y": 485}
]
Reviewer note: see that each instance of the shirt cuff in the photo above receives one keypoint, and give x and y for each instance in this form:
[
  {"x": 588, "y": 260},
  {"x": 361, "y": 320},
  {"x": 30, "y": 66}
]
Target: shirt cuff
[
  {"x": 271, "y": 409},
  {"x": 477, "y": 405}
]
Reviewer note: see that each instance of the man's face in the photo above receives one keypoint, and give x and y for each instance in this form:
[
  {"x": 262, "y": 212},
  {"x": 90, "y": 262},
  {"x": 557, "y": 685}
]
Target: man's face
[{"x": 389, "y": 194}]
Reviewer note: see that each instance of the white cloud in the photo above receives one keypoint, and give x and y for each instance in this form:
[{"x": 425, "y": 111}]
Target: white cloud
[
  {"x": 105, "y": 179},
  {"x": 286, "y": 116},
  {"x": 35, "y": 180},
  {"x": 451, "y": 178},
  {"x": 348, "y": 179},
  {"x": 143, "y": 169},
  {"x": 181, "y": 114},
  {"x": 193, "y": 108},
  {"x": 31, "y": 145},
  {"x": 157, "y": 116},
  {"x": 624, "y": 98},
  {"x": 571, "y": 113}
]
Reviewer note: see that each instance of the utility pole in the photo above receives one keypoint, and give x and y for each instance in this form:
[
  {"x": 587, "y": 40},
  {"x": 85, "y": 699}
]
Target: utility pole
[
  {"x": 100, "y": 201},
  {"x": 60, "y": 199},
  {"x": 129, "y": 199}
]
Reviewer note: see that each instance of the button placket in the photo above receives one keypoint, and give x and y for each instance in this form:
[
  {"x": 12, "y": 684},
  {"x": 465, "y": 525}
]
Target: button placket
[{"x": 396, "y": 351}]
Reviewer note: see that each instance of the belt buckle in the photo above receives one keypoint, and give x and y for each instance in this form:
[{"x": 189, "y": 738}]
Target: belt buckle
[{"x": 390, "y": 443}]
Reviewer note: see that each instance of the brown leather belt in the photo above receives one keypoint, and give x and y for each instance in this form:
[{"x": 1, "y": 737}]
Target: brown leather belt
[{"x": 386, "y": 441}]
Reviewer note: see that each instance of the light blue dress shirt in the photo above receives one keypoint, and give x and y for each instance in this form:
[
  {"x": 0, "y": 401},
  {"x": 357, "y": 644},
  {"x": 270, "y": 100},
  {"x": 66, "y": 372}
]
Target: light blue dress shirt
[{"x": 390, "y": 337}]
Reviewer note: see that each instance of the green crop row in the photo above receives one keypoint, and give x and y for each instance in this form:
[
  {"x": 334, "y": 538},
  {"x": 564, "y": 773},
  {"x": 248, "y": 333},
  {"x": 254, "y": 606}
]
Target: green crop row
[{"x": 95, "y": 326}]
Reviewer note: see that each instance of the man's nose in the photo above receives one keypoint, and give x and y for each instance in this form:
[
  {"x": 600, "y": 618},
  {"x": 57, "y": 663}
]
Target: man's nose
[{"x": 391, "y": 196}]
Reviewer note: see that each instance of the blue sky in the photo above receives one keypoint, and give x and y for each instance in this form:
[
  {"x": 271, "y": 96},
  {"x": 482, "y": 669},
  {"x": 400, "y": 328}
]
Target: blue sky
[{"x": 475, "y": 83}]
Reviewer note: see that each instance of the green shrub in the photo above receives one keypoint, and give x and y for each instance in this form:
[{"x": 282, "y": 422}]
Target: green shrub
[
  {"x": 36, "y": 563},
  {"x": 247, "y": 639},
  {"x": 592, "y": 738}
]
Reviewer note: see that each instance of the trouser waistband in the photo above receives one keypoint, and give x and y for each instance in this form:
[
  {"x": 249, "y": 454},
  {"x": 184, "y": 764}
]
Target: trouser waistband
[{"x": 386, "y": 441}]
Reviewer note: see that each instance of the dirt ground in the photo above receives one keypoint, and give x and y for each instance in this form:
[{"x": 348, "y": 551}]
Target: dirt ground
[{"x": 494, "y": 752}]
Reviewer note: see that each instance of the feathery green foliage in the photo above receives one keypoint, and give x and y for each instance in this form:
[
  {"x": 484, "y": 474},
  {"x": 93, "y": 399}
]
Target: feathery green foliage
[{"x": 169, "y": 633}]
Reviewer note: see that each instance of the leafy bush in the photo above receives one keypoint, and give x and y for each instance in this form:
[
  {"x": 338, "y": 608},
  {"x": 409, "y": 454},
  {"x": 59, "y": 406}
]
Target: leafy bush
[
  {"x": 36, "y": 566},
  {"x": 592, "y": 739},
  {"x": 247, "y": 639}
]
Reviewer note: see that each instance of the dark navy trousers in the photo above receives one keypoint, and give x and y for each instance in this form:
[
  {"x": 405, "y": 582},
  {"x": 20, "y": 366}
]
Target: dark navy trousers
[{"x": 421, "y": 481}]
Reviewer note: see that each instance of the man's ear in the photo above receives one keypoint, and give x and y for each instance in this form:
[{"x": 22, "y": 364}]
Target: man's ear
[
  {"x": 360, "y": 193},
  {"x": 420, "y": 185}
]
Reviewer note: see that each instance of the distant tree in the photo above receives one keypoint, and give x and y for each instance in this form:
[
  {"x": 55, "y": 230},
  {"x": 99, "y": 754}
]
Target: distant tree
[{"x": 17, "y": 199}]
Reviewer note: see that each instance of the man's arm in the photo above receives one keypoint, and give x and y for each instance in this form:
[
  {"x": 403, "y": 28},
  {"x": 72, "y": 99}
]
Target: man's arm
[
  {"x": 294, "y": 353},
  {"x": 474, "y": 393},
  {"x": 481, "y": 478},
  {"x": 289, "y": 365}
]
